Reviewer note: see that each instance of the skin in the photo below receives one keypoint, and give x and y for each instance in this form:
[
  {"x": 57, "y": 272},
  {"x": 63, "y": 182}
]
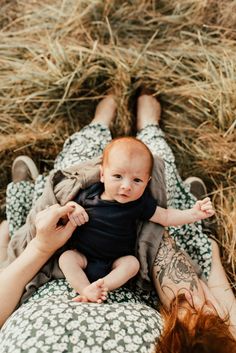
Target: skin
[
  {"x": 126, "y": 173},
  {"x": 49, "y": 237},
  {"x": 174, "y": 274}
]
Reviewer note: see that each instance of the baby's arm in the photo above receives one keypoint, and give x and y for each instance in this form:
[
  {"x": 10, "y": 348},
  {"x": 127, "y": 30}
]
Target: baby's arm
[
  {"x": 173, "y": 217},
  {"x": 78, "y": 216}
]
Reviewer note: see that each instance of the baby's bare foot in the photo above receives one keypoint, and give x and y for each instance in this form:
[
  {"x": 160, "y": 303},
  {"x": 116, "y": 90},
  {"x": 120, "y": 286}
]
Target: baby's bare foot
[
  {"x": 95, "y": 293},
  {"x": 80, "y": 299},
  {"x": 148, "y": 111},
  {"x": 106, "y": 110}
]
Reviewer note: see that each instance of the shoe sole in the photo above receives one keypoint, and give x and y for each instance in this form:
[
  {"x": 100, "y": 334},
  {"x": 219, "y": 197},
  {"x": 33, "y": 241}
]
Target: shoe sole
[
  {"x": 189, "y": 180},
  {"x": 30, "y": 164}
]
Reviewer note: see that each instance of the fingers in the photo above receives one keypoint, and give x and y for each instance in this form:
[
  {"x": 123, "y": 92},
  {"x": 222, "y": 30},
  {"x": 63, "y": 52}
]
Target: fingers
[
  {"x": 194, "y": 300},
  {"x": 206, "y": 206},
  {"x": 56, "y": 211},
  {"x": 79, "y": 216},
  {"x": 78, "y": 219},
  {"x": 80, "y": 299}
]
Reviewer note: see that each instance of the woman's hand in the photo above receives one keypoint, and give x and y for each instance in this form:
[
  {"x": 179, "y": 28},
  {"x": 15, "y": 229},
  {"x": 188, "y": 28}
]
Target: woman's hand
[{"x": 51, "y": 234}]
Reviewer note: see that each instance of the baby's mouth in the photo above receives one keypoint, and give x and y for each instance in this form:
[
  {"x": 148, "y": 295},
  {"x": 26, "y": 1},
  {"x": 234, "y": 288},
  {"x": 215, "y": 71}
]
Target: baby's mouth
[{"x": 123, "y": 195}]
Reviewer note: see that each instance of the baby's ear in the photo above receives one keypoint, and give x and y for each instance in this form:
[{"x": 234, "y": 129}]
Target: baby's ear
[{"x": 101, "y": 174}]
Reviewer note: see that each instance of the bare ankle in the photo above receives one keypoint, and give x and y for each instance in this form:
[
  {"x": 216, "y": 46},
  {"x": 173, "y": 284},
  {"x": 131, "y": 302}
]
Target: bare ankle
[
  {"x": 148, "y": 111},
  {"x": 105, "y": 111}
]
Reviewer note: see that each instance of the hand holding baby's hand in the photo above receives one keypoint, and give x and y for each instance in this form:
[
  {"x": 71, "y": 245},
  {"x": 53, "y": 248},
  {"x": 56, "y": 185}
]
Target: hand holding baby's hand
[
  {"x": 78, "y": 216},
  {"x": 203, "y": 208}
]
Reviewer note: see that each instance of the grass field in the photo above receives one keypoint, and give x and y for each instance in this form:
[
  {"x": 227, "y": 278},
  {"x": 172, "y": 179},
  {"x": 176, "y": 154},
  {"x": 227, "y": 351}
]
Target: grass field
[{"x": 58, "y": 57}]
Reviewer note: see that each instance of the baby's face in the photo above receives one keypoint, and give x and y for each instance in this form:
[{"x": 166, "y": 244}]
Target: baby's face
[{"x": 125, "y": 177}]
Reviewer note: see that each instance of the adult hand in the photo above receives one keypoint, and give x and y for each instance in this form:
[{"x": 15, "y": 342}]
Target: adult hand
[{"x": 50, "y": 233}]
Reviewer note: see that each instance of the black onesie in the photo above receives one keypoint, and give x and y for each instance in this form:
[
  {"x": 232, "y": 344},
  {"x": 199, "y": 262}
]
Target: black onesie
[{"x": 111, "y": 230}]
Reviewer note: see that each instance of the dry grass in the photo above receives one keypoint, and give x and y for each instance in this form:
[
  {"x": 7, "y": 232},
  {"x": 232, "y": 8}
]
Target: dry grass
[{"x": 58, "y": 57}]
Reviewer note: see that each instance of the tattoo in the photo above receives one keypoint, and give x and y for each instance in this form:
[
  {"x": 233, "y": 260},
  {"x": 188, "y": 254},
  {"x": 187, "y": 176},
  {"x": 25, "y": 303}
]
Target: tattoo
[{"x": 172, "y": 265}]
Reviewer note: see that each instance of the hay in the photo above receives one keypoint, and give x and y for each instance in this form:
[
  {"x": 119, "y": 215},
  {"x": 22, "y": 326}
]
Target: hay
[{"x": 58, "y": 57}]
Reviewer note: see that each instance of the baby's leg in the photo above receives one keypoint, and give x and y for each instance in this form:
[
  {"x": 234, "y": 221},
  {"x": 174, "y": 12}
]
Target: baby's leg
[
  {"x": 72, "y": 263},
  {"x": 123, "y": 269}
]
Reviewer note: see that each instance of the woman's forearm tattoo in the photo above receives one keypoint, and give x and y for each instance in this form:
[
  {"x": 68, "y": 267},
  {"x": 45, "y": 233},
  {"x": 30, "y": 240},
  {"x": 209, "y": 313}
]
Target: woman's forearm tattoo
[{"x": 172, "y": 265}]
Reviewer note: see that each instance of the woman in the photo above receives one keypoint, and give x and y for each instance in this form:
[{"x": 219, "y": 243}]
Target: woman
[{"x": 131, "y": 326}]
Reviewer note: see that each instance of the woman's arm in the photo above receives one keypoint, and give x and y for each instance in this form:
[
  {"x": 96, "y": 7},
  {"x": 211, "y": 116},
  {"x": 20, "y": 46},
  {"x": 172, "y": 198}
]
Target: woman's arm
[
  {"x": 173, "y": 273},
  {"x": 220, "y": 288},
  {"x": 49, "y": 237}
]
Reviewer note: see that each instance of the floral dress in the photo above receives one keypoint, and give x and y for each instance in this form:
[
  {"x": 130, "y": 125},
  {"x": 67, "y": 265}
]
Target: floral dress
[{"x": 129, "y": 320}]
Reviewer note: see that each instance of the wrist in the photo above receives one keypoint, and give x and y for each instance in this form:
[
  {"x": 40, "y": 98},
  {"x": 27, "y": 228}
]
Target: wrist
[
  {"x": 41, "y": 248},
  {"x": 194, "y": 215}
]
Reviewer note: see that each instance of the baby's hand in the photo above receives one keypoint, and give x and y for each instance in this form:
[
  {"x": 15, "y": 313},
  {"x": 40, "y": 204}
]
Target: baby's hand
[
  {"x": 203, "y": 209},
  {"x": 78, "y": 216}
]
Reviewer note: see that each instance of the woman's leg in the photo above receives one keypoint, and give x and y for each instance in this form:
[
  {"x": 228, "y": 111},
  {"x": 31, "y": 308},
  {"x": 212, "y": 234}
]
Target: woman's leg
[
  {"x": 190, "y": 237},
  {"x": 91, "y": 140},
  {"x": 85, "y": 144}
]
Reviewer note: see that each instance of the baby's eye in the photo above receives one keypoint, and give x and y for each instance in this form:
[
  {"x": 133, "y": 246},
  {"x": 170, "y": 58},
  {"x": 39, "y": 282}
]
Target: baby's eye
[
  {"x": 137, "y": 180},
  {"x": 117, "y": 176}
]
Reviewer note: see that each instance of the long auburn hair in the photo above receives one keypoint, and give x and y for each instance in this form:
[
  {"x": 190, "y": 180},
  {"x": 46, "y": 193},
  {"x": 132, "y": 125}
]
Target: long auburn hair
[{"x": 198, "y": 331}]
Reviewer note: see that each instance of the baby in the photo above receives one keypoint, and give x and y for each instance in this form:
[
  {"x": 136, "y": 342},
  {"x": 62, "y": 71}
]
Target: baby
[{"x": 103, "y": 258}]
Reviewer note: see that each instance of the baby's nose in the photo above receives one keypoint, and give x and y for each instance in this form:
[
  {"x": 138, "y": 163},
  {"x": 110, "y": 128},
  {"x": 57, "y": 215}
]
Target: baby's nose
[{"x": 126, "y": 185}]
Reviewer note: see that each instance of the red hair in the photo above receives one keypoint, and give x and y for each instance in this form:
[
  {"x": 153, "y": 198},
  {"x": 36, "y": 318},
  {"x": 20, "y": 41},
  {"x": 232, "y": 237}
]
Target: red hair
[
  {"x": 130, "y": 142},
  {"x": 199, "y": 331}
]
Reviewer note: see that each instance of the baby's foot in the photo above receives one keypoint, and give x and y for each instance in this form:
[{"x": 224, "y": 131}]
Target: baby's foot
[
  {"x": 106, "y": 110},
  {"x": 148, "y": 111},
  {"x": 80, "y": 299},
  {"x": 95, "y": 293}
]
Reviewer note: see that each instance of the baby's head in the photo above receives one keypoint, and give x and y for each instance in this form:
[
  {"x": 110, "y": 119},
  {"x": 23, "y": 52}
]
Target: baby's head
[{"x": 126, "y": 169}]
